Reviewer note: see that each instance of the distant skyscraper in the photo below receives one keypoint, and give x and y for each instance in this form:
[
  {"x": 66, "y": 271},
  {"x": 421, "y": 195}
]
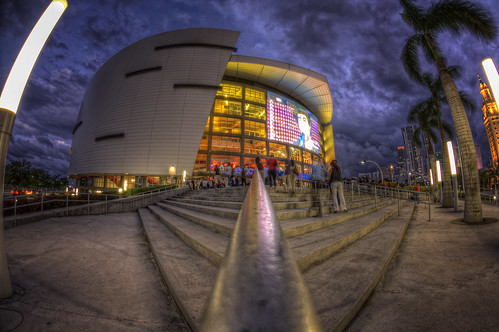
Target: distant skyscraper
[
  {"x": 401, "y": 159},
  {"x": 491, "y": 121},
  {"x": 479, "y": 156},
  {"x": 413, "y": 154}
]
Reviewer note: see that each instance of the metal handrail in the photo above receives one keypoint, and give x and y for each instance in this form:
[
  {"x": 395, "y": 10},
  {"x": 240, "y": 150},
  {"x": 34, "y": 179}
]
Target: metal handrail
[{"x": 258, "y": 286}]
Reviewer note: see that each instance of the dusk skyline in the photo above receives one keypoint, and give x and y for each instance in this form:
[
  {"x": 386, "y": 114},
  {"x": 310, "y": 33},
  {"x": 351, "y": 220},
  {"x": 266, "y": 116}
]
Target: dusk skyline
[{"x": 356, "y": 44}]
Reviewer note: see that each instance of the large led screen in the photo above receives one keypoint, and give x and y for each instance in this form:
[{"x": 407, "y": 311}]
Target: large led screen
[{"x": 288, "y": 122}]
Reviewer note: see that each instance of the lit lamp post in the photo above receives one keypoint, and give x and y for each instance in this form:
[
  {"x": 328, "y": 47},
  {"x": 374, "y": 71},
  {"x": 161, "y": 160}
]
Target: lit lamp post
[
  {"x": 453, "y": 171},
  {"x": 9, "y": 103},
  {"x": 172, "y": 172},
  {"x": 439, "y": 179},
  {"x": 379, "y": 168},
  {"x": 492, "y": 76}
]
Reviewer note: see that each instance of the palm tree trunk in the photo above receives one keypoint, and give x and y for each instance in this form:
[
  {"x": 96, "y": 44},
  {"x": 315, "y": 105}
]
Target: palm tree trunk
[
  {"x": 472, "y": 201},
  {"x": 447, "y": 194}
]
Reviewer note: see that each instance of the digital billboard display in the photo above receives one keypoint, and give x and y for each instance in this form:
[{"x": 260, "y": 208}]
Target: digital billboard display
[{"x": 289, "y": 122}]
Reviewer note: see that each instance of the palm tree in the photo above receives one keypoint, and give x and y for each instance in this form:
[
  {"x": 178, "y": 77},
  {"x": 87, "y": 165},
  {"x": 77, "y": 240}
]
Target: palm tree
[
  {"x": 428, "y": 114},
  {"x": 454, "y": 16}
]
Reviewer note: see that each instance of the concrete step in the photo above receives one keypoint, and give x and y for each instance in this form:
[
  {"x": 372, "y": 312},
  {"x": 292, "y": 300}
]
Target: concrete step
[
  {"x": 212, "y": 222},
  {"x": 188, "y": 275},
  {"x": 340, "y": 285},
  {"x": 203, "y": 231},
  {"x": 314, "y": 247},
  {"x": 208, "y": 244}
]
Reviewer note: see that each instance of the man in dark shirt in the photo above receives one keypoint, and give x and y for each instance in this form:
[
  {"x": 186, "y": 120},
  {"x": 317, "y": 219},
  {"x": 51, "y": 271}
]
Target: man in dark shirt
[{"x": 336, "y": 185}]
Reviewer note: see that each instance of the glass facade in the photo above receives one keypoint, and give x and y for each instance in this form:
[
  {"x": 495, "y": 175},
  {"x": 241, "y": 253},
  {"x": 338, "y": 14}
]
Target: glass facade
[{"x": 239, "y": 127}]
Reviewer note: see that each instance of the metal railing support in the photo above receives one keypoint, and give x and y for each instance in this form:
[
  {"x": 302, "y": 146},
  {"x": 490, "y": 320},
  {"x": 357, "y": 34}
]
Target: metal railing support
[{"x": 258, "y": 286}]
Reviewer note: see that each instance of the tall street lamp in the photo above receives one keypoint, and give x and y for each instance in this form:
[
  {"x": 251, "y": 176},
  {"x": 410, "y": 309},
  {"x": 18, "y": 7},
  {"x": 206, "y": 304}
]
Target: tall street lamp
[
  {"x": 379, "y": 168},
  {"x": 9, "y": 103},
  {"x": 453, "y": 171}
]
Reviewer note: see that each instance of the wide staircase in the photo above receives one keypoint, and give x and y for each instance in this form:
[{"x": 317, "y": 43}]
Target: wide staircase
[{"x": 341, "y": 256}]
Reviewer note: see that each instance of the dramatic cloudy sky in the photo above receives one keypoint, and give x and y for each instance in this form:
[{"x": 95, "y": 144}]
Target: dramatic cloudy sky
[{"x": 355, "y": 43}]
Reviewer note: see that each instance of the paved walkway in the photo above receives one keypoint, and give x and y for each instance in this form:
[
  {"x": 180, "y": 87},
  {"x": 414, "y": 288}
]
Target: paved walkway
[
  {"x": 445, "y": 277},
  {"x": 95, "y": 273},
  {"x": 87, "y": 273}
]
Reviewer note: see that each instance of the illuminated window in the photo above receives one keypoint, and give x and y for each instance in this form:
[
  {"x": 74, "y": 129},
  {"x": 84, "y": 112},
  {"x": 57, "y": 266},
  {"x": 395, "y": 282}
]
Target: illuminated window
[
  {"x": 204, "y": 143},
  {"x": 307, "y": 157},
  {"x": 255, "y": 111},
  {"x": 227, "y": 107},
  {"x": 113, "y": 181},
  {"x": 295, "y": 154},
  {"x": 307, "y": 169},
  {"x": 207, "y": 128},
  {"x": 226, "y": 125},
  {"x": 254, "y": 146},
  {"x": 315, "y": 159},
  {"x": 255, "y": 95},
  {"x": 99, "y": 181},
  {"x": 231, "y": 91},
  {"x": 252, "y": 128},
  {"x": 224, "y": 143},
  {"x": 278, "y": 150},
  {"x": 222, "y": 159},
  {"x": 200, "y": 163}
]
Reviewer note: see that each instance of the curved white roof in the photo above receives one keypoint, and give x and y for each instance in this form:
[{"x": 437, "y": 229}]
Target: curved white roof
[{"x": 307, "y": 86}]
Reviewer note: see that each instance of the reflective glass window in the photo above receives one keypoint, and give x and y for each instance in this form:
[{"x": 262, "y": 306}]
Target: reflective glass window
[
  {"x": 255, "y": 112},
  {"x": 278, "y": 150},
  {"x": 253, "y": 128},
  {"x": 204, "y": 143},
  {"x": 226, "y": 125},
  {"x": 223, "y": 159},
  {"x": 227, "y": 107},
  {"x": 253, "y": 146},
  {"x": 307, "y": 157},
  {"x": 231, "y": 91},
  {"x": 224, "y": 143},
  {"x": 255, "y": 95},
  {"x": 295, "y": 153},
  {"x": 200, "y": 163}
]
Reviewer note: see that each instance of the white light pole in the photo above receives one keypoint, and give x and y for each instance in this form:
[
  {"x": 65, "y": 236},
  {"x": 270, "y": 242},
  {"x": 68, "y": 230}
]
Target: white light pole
[
  {"x": 491, "y": 72},
  {"x": 439, "y": 180},
  {"x": 9, "y": 103},
  {"x": 453, "y": 170},
  {"x": 379, "y": 168}
]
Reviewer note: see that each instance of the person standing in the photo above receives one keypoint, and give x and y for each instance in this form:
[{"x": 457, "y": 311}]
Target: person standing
[
  {"x": 243, "y": 176},
  {"x": 228, "y": 171},
  {"x": 218, "y": 177},
  {"x": 259, "y": 166},
  {"x": 336, "y": 185},
  {"x": 271, "y": 169}
]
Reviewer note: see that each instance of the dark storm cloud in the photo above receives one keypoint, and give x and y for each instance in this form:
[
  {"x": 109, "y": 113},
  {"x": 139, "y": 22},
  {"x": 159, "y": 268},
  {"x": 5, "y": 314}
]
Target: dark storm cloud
[{"x": 355, "y": 43}]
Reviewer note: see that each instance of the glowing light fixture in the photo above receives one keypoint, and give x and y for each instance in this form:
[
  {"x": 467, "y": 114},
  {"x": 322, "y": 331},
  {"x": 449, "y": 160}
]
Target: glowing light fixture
[
  {"x": 184, "y": 175},
  {"x": 452, "y": 160},
  {"x": 19, "y": 74},
  {"x": 125, "y": 186},
  {"x": 492, "y": 76},
  {"x": 172, "y": 170},
  {"x": 439, "y": 172},
  {"x": 431, "y": 177}
]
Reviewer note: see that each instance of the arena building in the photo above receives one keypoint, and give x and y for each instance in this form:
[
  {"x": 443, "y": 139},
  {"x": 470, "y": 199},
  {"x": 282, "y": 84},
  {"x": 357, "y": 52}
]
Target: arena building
[{"x": 181, "y": 102}]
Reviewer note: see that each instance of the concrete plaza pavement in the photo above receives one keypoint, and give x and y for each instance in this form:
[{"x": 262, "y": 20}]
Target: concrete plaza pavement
[{"x": 96, "y": 273}]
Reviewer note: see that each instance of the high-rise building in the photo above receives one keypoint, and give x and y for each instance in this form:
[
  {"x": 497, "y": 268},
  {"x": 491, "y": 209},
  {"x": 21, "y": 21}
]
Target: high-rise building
[
  {"x": 491, "y": 121},
  {"x": 413, "y": 153}
]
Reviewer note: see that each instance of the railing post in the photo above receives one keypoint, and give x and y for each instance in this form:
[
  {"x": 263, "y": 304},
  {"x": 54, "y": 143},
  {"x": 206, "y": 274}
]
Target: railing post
[
  {"x": 88, "y": 203},
  {"x": 67, "y": 205},
  {"x": 258, "y": 285},
  {"x": 15, "y": 208},
  {"x": 41, "y": 205},
  {"x": 375, "y": 198}
]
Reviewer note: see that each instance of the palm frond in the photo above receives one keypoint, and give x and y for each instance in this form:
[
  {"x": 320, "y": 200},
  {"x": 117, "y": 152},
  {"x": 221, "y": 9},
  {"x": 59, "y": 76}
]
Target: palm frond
[
  {"x": 449, "y": 131},
  {"x": 412, "y": 14},
  {"x": 457, "y": 16},
  {"x": 467, "y": 101},
  {"x": 410, "y": 58}
]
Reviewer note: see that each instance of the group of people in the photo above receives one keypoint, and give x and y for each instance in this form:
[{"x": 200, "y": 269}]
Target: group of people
[
  {"x": 319, "y": 173},
  {"x": 331, "y": 175}
]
